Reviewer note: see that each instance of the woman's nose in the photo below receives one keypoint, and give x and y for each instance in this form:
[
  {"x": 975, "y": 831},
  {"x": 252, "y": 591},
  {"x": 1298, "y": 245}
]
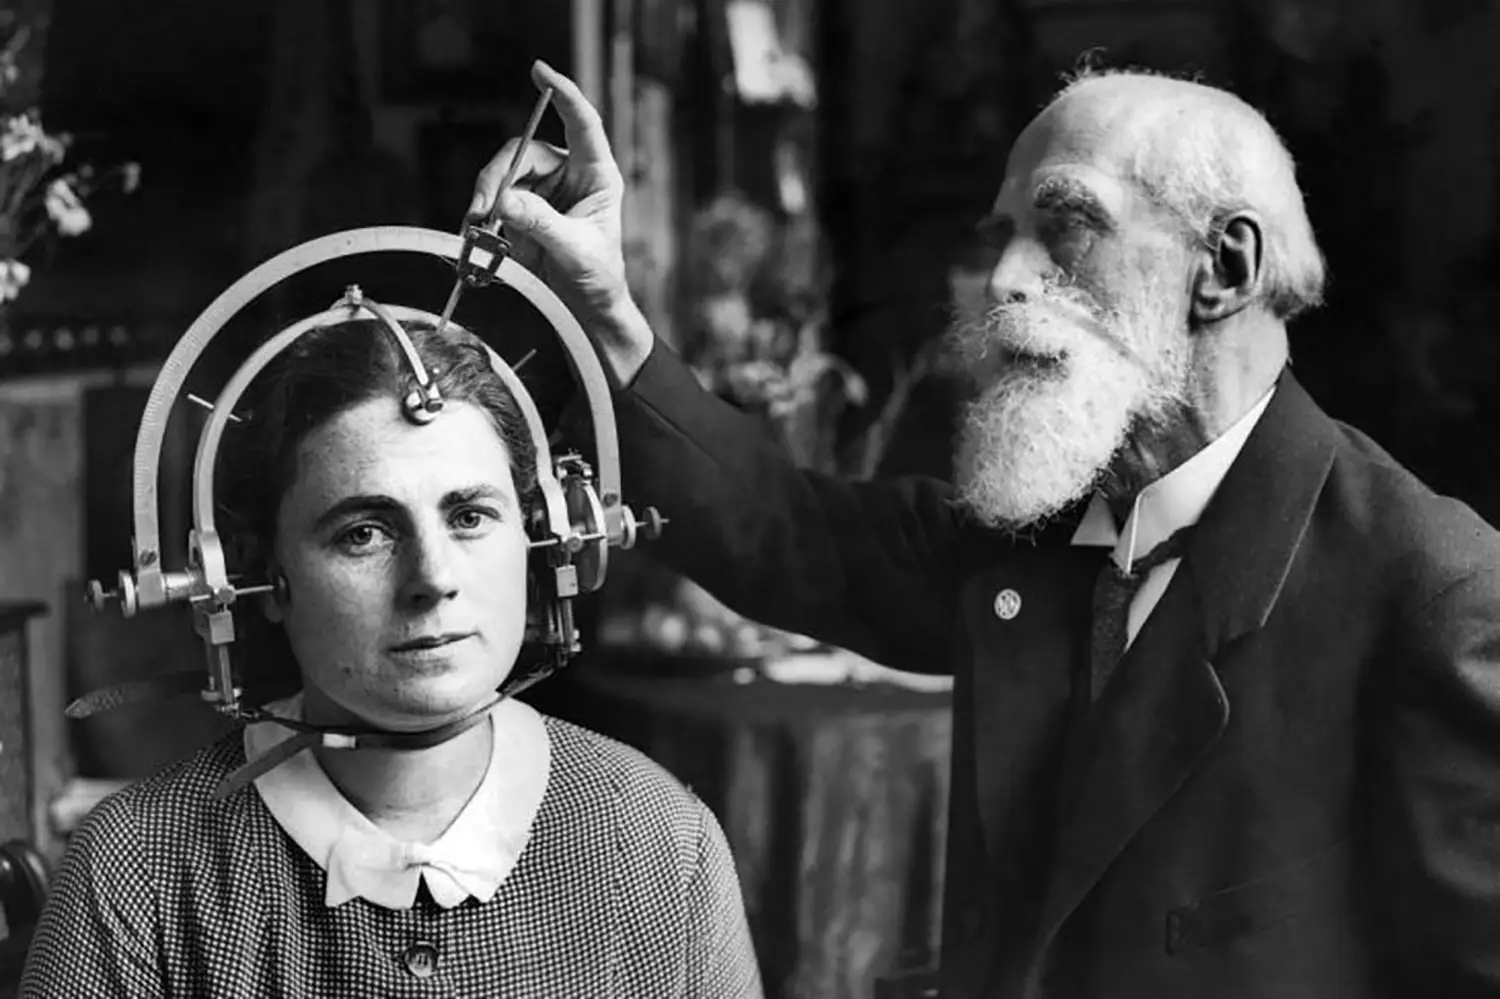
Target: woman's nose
[{"x": 431, "y": 568}]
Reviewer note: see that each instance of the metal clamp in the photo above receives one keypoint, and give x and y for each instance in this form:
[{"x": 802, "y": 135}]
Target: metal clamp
[{"x": 488, "y": 240}]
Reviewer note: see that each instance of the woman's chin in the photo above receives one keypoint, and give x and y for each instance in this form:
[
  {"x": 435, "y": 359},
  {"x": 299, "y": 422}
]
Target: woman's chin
[
  {"x": 422, "y": 710},
  {"x": 417, "y": 707}
]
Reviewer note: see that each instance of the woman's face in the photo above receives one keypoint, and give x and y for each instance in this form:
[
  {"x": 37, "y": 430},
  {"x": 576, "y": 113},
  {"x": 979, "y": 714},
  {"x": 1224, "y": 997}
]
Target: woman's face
[{"x": 405, "y": 557}]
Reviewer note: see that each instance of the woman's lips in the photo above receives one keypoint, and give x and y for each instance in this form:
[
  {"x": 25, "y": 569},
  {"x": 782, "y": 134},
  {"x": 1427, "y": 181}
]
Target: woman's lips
[{"x": 426, "y": 643}]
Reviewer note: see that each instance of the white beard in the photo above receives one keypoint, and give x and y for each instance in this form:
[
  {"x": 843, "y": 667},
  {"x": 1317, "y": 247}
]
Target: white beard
[{"x": 1046, "y": 427}]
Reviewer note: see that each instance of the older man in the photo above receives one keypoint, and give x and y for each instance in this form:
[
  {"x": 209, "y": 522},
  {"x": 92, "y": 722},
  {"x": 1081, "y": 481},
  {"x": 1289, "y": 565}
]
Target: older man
[{"x": 1227, "y": 676}]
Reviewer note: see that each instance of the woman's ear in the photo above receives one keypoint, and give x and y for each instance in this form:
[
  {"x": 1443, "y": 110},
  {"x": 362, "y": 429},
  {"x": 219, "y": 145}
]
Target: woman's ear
[
  {"x": 253, "y": 554},
  {"x": 1229, "y": 276},
  {"x": 272, "y": 604}
]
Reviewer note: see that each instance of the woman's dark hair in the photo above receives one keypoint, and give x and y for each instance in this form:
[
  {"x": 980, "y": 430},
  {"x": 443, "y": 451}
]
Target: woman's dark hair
[{"x": 324, "y": 373}]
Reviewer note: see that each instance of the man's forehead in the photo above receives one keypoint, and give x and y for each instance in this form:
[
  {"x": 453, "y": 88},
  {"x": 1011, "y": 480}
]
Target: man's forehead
[
  {"x": 1070, "y": 146},
  {"x": 1024, "y": 187}
]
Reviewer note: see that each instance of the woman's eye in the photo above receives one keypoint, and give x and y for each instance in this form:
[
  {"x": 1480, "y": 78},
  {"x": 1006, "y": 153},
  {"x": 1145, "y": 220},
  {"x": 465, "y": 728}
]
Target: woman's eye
[
  {"x": 361, "y": 537},
  {"x": 473, "y": 518}
]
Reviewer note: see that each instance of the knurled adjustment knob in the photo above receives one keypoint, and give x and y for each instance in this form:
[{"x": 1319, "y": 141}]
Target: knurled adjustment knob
[
  {"x": 96, "y": 596},
  {"x": 651, "y": 524}
]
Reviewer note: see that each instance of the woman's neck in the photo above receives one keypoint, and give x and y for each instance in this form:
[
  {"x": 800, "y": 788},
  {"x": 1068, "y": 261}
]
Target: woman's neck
[{"x": 414, "y": 794}]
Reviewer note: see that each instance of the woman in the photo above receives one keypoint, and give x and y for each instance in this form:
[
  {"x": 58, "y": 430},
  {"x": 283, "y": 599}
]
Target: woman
[{"x": 522, "y": 857}]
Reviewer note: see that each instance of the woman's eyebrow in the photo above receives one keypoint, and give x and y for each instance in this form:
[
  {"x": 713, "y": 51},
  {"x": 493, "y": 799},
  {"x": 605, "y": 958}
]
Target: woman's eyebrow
[{"x": 350, "y": 505}]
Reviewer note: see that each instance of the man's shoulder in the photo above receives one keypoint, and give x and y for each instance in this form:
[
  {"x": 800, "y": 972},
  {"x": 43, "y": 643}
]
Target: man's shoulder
[{"x": 1434, "y": 538}]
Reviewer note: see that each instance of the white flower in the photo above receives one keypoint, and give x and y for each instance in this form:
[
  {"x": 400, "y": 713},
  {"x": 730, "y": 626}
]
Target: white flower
[
  {"x": 66, "y": 209},
  {"x": 13, "y": 277},
  {"x": 130, "y": 177},
  {"x": 20, "y": 137},
  {"x": 24, "y": 135}
]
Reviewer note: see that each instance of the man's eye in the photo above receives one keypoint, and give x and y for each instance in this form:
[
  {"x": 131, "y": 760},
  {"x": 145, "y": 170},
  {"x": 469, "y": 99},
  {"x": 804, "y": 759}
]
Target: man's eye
[
  {"x": 1067, "y": 231},
  {"x": 1063, "y": 222}
]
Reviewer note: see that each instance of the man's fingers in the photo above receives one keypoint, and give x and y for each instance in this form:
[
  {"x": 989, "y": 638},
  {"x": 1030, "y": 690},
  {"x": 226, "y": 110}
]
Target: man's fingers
[
  {"x": 530, "y": 214},
  {"x": 541, "y": 162},
  {"x": 582, "y": 123}
]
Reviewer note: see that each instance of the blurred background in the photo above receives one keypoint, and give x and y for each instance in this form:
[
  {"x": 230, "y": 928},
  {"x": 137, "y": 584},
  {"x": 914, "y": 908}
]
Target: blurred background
[{"x": 803, "y": 181}]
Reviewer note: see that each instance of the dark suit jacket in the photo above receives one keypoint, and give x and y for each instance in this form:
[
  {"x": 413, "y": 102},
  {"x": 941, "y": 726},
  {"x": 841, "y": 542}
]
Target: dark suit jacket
[{"x": 1291, "y": 787}]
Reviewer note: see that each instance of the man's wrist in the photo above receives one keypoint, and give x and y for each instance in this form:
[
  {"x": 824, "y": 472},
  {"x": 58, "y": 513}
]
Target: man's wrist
[{"x": 625, "y": 339}]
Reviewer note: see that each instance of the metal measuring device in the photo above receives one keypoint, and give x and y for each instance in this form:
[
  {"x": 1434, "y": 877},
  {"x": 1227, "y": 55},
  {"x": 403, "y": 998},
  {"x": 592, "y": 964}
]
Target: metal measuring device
[{"x": 486, "y": 235}]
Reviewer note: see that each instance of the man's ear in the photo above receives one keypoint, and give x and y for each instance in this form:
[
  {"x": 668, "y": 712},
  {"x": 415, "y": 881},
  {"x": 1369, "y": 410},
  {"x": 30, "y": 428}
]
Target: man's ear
[{"x": 1229, "y": 272}]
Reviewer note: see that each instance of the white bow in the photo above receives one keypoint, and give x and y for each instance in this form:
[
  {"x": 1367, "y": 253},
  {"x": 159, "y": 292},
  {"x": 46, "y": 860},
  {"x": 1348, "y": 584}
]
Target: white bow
[{"x": 371, "y": 864}]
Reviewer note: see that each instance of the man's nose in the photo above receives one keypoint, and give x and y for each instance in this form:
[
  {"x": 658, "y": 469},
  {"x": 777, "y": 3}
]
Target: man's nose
[
  {"x": 1017, "y": 275},
  {"x": 430, "y": 568}
]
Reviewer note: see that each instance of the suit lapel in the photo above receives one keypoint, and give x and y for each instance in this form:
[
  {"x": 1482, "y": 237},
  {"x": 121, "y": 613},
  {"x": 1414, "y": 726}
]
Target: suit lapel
[
  {"x": 1165, "y": 706},
  {"x": 1162, "y": 711},
  {"x": 1244, "y": 546}
]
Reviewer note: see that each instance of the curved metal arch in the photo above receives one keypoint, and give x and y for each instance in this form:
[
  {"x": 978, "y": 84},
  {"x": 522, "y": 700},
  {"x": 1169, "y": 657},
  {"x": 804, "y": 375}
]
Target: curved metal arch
[
  {"x": 206, "y": 460},
  {"x": 151, "y": 583}
]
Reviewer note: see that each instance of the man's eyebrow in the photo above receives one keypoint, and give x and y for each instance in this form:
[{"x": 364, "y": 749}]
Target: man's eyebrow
[{"x": 1064, "y": 194}]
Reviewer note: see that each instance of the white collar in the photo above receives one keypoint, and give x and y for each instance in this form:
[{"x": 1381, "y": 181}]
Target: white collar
[
  {"x": 1174, "y": 501},
  {"x": 473, "y": 856}
]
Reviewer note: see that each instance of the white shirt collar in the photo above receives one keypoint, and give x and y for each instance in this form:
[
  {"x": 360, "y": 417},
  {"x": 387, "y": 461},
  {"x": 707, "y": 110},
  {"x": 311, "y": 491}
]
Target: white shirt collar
[
  {"x": 472, "y": 857},
  {"x": 1174, "y": 501}
]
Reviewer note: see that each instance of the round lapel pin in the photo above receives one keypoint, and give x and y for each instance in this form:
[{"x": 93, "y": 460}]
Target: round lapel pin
[{"x": 1007, "y": 604}]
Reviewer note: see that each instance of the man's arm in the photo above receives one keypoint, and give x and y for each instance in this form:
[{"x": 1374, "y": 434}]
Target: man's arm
[
  {"x": 1436, "y": 803},
  {"x": 868, "y": 567},
  {"x": 871, "y": 567}
]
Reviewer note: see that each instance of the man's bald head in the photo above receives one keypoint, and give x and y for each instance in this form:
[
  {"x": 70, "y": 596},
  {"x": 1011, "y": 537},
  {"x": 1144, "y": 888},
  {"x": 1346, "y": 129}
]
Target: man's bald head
[{"x": 1205, "y": 156}]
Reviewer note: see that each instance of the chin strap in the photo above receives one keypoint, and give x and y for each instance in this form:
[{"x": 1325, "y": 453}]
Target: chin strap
[
  {"x": 308, "y": 735},
  {"x": 340, "y": 737}
]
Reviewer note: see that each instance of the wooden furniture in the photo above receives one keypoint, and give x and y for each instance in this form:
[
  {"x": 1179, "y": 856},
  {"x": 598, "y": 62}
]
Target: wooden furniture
[
  {"x": 17, "y": 783},
  {"x": 24, "y": 875},
  {"x": 23, "y": 872}
]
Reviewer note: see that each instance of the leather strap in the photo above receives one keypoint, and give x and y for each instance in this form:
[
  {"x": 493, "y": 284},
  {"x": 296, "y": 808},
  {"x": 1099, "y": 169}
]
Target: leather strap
[
  {"x": 119, "y": 695},
  {"x": 182, "y": 682}
]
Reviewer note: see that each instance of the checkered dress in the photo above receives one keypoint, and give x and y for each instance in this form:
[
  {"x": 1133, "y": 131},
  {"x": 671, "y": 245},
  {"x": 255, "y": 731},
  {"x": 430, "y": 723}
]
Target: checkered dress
[{"x": 626, "y": 888}]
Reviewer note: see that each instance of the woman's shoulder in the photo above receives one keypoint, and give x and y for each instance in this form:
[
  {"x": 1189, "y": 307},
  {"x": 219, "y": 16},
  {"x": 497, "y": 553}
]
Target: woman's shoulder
[
  {"x": 173, "y": 797},
  {"x": 597, "y": 769}
]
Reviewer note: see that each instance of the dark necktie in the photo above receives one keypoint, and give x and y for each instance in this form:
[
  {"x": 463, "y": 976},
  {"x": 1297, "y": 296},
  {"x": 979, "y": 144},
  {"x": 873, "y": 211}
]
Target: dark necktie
[{"x": 1112, "y": 596}]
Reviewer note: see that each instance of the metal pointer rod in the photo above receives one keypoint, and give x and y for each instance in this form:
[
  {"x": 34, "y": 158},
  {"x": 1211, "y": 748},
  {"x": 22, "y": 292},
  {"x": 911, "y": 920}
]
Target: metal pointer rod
[
  {"x": 515, "y": 163},
  {"x": 493, "y": 219}
]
